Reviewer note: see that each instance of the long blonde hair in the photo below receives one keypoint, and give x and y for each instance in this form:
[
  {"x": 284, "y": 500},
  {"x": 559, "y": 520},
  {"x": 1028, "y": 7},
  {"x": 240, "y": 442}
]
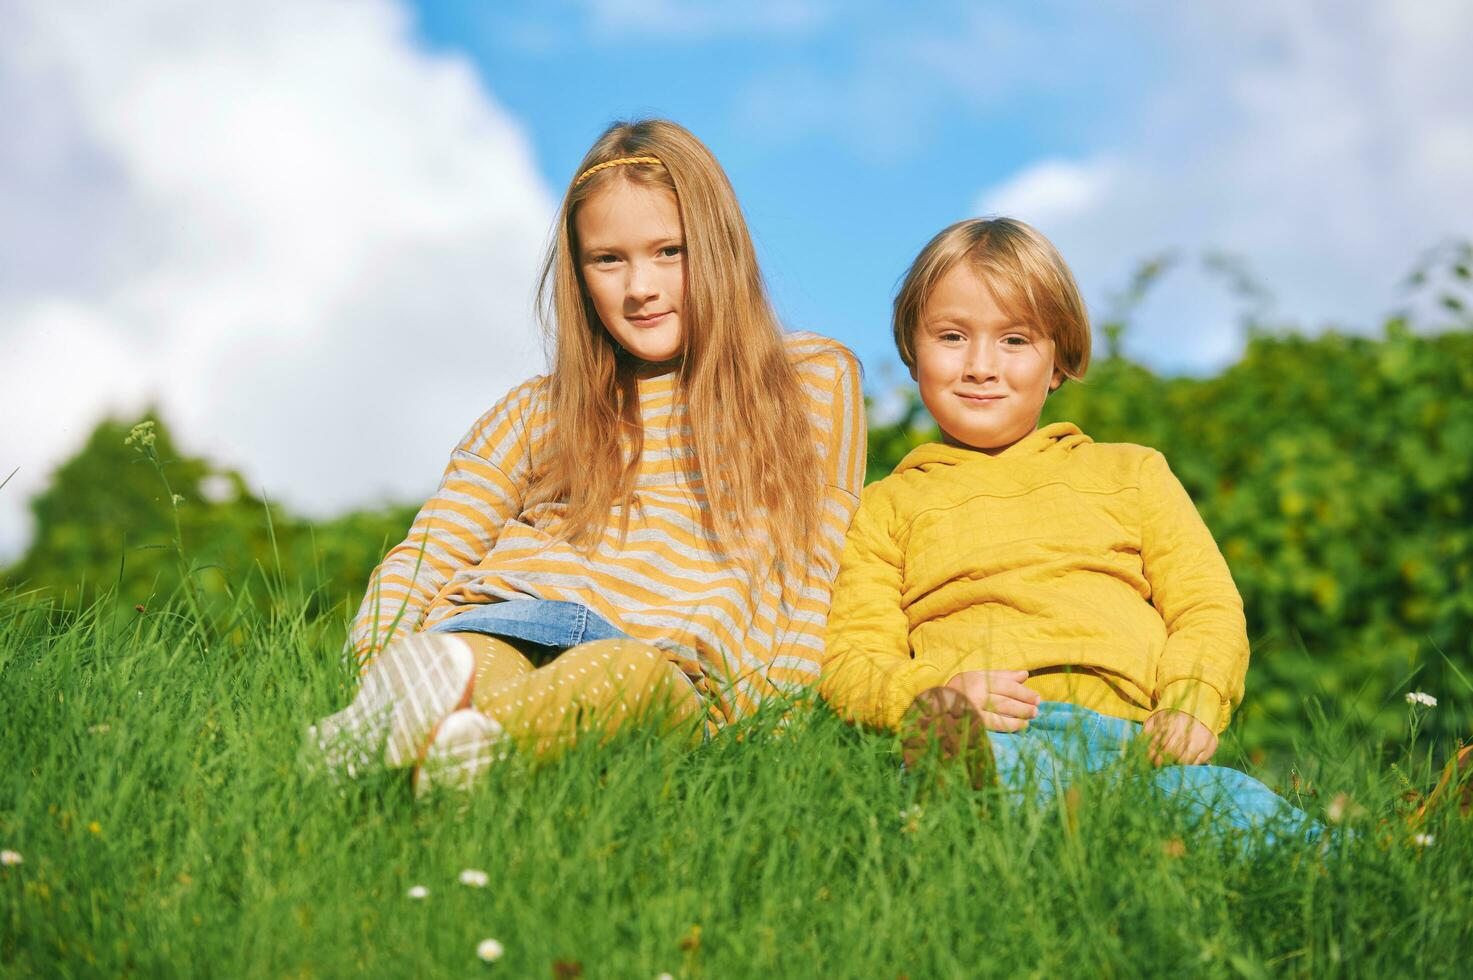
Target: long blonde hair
[{"x": 750, "y": 430}]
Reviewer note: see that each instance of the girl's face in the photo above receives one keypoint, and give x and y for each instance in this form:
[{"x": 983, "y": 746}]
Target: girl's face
[
  {"x": 632, "y": 253},
  {"x": 983, "y": 375}
]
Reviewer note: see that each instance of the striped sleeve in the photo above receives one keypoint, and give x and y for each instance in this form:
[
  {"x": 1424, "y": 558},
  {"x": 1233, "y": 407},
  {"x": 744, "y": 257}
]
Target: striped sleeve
[
  {"x": 457, "y": 527},
  {"x": 833, "y": 380}
]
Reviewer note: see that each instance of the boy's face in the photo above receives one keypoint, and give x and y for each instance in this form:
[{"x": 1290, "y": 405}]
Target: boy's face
[{"x": 983, "y": 375}]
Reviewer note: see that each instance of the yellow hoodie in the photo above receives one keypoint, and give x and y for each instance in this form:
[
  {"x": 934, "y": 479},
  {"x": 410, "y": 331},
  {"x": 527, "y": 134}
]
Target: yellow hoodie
[{"x": 1085, "y": 564}]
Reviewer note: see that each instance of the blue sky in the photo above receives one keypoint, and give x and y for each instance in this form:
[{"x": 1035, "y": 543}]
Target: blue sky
[
  {"x": 850, "y": 139},
  {"x": 307, "y": 231}
]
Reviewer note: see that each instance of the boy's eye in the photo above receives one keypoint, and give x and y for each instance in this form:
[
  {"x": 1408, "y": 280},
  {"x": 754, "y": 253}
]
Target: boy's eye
[
  {"x": 1017, "y": 340},
  {"x": 951, "y": 337}
]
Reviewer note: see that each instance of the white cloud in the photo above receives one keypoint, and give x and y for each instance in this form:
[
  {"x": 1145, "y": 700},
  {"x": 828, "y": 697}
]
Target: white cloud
[
  {"x": 310, "y": 241},
  {"x": 1329, "y": 144},
  {"x": 1052, "y": 191}
]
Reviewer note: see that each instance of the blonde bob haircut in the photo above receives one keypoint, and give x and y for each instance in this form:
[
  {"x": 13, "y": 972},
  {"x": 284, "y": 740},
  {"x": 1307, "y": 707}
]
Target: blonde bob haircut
[
  {"x": 748, "y": 417},
  {"x": 1021, "y": 268}
]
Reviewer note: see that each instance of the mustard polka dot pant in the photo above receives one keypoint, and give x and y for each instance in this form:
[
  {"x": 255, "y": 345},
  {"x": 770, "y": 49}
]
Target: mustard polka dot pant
[{"x": 594, "y": 688}]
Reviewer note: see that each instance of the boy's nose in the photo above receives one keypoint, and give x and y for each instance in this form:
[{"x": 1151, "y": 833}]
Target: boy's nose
[{"x": 981, "y": 363}]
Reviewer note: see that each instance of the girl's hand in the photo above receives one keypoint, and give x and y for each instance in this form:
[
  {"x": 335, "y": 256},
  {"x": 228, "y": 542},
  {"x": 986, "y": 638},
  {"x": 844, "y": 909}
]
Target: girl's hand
[
  {"x": 1005, "y": 703},
  {"x": 1177, "y": 737}
]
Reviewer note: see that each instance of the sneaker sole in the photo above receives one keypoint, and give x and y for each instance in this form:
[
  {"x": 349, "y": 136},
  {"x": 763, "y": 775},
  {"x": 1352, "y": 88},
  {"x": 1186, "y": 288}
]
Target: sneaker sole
[{"x": 465, "y": 744}]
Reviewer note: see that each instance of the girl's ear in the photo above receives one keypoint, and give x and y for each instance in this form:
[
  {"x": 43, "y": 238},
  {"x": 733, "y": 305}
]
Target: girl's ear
[{"x": 1056, "y": 380}]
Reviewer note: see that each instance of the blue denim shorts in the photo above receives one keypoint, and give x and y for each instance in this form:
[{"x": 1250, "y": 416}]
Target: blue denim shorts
[{"x": 545, "y": 622}]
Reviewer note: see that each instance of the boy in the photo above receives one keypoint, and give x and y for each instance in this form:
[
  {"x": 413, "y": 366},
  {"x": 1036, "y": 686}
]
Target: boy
[{"x": 1029, "y": 581}]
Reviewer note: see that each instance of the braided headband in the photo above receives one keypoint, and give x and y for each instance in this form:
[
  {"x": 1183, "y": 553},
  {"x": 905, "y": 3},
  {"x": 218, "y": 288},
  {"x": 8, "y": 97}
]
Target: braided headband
[{"x": 614, "y": 163}]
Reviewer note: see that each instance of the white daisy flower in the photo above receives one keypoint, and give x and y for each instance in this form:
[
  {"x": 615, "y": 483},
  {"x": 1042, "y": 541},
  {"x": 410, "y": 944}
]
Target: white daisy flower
[
  {"x": 473, "y": 878},
  {"x": 489, "y": 950},
  {"x": 1422, "y": 698},
  {"x": 1423, "y": 840},
  {"x": 665, "y": 976},
  {"x": 11, "y": 858},
  {"x": 418, "y": 891}
]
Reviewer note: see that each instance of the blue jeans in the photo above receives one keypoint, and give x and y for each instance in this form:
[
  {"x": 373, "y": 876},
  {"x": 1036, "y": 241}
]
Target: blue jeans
[
  {"x": 1066, "y": 741},
  {"x": 545, "y": 622}
]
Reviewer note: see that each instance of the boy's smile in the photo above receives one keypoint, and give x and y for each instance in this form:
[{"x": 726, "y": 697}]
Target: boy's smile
[{"x": 982, "y": 374}]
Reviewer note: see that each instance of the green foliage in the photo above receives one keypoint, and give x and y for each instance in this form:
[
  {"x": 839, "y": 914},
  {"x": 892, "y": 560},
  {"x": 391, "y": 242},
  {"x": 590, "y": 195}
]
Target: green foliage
[
  {"x": 107, "y": 519},
  {"x": 140, "y": 518},
  {"x": 166, "y": 829}
]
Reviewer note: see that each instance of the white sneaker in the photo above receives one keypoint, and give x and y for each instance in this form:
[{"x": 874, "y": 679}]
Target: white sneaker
[
  {"x": 464, "y": 746},
  {"x": 409, "y": 689}
]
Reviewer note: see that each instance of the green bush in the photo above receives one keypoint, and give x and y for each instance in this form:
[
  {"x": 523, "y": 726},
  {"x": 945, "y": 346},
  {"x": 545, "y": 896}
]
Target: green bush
[{"x": 108, "y": 521}]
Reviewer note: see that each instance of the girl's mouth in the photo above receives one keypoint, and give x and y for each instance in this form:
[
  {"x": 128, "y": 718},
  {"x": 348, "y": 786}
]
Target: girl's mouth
[{"x": 648, "y": 321}]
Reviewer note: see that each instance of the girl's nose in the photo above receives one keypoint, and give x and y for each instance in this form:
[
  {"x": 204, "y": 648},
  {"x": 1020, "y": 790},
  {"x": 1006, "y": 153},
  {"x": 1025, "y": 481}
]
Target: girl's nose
[{"x": 641, "y": 285}]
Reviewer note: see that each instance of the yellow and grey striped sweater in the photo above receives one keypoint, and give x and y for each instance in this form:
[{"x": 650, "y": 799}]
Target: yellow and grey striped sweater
[{"x": 667, "y": 583}]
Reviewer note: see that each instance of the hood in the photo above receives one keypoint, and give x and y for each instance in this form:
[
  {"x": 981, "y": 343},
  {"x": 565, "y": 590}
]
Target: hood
[{"x": 1055, "y": 438}]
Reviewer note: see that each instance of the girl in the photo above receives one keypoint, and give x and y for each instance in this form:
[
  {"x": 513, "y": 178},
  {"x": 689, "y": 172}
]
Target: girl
[{"x": 650, "y": 532}]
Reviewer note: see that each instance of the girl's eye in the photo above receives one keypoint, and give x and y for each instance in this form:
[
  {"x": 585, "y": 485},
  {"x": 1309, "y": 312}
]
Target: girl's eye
[
  {"x": 951, "y": 337},
  {"x": 604, "y": 259},
  {"x": 671, "y": 251}
]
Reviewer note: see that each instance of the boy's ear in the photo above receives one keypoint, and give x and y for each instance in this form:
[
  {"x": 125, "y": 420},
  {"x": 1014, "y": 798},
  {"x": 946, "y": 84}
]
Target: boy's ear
[
  {"x": 912, "y": 369},
  {"x": 1057, "y": 380}
]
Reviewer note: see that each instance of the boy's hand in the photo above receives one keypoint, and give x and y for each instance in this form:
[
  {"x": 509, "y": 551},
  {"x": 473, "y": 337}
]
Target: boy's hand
[
  {"x": 1006, "y": 705},
  {"x": 1177, "y": 737}
]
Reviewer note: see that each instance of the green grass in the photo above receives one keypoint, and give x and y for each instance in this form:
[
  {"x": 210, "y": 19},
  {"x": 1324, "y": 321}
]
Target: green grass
[{"x": 151, "y": 785}]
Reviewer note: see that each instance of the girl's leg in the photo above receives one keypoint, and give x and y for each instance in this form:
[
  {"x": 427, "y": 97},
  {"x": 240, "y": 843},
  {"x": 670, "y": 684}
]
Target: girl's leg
[
  {"x": 408, "y": 691},
  {"x": 602, "y": 685},
  {"x": 404, "y": 693},
  {"x": 497, "y": 661}
]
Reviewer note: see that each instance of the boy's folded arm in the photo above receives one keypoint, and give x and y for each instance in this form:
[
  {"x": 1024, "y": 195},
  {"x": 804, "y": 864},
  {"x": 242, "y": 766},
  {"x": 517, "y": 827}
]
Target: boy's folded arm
[
  {"x": 1197, "y": 698},
  {"x": 1206, "y": 655},
  {"x": 868, "y": 674}
]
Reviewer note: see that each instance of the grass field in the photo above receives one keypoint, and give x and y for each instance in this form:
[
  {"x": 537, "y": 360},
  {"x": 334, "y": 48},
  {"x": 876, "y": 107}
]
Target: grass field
[{"x": 165, "y": 828}]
